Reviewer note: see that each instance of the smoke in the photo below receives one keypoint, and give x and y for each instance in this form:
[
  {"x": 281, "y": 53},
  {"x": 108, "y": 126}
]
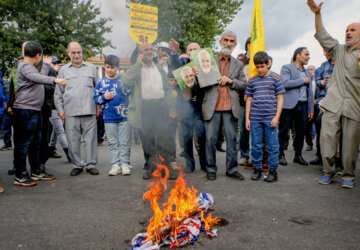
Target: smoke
[{"x": 120, "y": 37}]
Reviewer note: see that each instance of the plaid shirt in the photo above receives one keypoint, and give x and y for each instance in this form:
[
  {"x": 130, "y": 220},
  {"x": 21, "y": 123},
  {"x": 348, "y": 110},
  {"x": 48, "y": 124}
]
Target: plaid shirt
[{"x": 326, "y": 69}]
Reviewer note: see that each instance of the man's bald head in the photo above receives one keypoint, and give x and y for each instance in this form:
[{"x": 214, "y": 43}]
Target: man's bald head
[
  {"x": 145, "y": 46},
  {"x": 146, "y": 49},
  {"x": 191, "y": 47},
  {"x": 352, "y": 35}
]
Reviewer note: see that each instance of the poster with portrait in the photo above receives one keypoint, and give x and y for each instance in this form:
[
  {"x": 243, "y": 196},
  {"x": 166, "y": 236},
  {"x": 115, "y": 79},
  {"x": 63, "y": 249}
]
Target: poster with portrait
[
  {"x": 185, "y": 76},
  {"x": 208, "y": 70}
]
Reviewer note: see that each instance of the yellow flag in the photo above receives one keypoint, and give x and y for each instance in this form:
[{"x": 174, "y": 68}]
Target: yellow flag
[{"x": 257, "y": 35}]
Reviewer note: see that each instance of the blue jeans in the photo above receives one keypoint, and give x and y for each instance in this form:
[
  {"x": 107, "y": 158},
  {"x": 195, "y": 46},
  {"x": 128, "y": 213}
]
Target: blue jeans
[
  {"x": 27, "y": 136},
  {"x": 243, "y": 135},
  {"x": 192, "y": 122},
  {"x": 258, "y": 129},
  {"x": 6, "y": 125},
  {"x": 119, "y": 139}
]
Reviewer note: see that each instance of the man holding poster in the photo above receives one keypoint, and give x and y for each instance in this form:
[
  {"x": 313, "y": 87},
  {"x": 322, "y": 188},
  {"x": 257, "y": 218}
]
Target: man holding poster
[{"x": 221, "y": 106}]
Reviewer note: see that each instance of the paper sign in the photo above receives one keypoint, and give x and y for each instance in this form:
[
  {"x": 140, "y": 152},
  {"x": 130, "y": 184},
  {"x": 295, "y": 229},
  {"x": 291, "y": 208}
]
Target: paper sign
[{"x": 143, "y": 23}]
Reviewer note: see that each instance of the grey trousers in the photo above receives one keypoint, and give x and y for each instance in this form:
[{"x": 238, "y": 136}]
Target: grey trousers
[
  {"x": 82, "y": 129},
  {"x": 212, "y": 128},
  {"x": 58, "y": 132},
  {"x": 331, "y": 126}
]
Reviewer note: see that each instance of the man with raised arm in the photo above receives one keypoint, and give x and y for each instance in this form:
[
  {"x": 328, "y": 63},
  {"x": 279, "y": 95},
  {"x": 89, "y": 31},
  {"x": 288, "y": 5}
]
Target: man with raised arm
[{"x": 342, "y": 102}]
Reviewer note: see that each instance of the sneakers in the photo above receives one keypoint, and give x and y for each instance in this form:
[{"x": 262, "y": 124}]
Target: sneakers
[
  {"x": 115, "y": 170},
  {"x": 256, "y": 175},
  {"x": 243, "y": 162},
  {"x": 6, "y": 148},
  {"x": 272, "y": 177},
  {"x": 327, "y": 179},
  {"x": 126, "y": 169},
  {"x": 347, "y": 184},
  {"x": 42, "y": 176},
  {"x": 24, "y": 180},
  {"x": 1, "y": 190}
]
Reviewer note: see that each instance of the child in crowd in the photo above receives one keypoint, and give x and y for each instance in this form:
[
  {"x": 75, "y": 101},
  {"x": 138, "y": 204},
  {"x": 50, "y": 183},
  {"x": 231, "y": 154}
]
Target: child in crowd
[
  {"x": 115, "y": 97},
  {"x": 28, "y": 118},
  {"x": 264, "y": 104}
]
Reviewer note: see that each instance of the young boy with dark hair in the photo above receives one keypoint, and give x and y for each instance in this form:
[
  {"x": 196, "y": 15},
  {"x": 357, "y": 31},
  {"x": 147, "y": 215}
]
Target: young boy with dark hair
[
  {"x": 264, "y": 104},
  {"x": 27, "y": 116},
  {"x": 115, "y": 97}
]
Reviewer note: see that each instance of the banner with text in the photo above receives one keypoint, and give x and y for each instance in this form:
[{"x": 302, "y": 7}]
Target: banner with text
[{"x": 143, "y": 23}]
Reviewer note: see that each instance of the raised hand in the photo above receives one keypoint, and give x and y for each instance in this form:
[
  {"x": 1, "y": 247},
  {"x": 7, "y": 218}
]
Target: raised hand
[
  {"x": 163, "y": 60},
  {"x": 316, "y": 8},
  {"x": 174, "y": 45},
  {"x": 47, "y": 59}
]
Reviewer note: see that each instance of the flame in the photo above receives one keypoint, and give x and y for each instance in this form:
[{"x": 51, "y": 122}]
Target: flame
[
  {"x": 181, "y": 203},
  {"x": 209, "y": 221}
]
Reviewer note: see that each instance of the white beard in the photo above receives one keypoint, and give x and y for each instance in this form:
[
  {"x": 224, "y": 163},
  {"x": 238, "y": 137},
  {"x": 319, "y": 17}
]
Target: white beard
[{"x": 225, "y": 51}]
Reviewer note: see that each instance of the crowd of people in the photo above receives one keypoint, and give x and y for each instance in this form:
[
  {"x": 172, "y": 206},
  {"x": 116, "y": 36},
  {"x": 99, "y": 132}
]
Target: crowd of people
[{"x": 254, "y": 115}]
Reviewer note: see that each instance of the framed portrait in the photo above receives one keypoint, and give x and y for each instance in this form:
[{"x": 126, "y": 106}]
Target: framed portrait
[
  {"x": 185, "y": 76},
  {"x": 208, "y": 69}
]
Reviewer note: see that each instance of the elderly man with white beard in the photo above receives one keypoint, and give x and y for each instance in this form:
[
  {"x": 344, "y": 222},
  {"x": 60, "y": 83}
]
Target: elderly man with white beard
[{"x": 221, "y": 107}]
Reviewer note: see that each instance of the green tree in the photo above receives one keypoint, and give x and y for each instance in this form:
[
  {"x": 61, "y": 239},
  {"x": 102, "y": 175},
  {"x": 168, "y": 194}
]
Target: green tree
[
  {"x": 52, "y": 23},
  {"x": 188, "y": 21}
]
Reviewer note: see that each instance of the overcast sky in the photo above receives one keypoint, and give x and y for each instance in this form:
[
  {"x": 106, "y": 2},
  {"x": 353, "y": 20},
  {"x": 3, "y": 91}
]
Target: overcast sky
[{"x": 288, "y": 24}]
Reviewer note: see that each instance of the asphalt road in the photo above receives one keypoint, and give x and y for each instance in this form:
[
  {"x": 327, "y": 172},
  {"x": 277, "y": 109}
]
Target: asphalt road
[{"x": 103, "y": 212}]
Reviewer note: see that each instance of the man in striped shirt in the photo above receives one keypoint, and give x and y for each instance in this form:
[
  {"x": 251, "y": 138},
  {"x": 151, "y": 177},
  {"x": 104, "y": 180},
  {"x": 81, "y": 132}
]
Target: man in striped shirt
[{"x": 264, "y": 104}]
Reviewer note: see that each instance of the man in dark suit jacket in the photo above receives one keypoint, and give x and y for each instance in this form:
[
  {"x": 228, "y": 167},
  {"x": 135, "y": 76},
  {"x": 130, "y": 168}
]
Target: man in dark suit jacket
[
  {"x": 221, "y": 107},
  {"x": 298, "y": 103}
]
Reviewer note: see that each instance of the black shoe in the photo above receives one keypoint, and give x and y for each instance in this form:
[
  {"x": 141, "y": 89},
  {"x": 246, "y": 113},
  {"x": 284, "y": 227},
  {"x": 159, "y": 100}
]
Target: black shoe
[
  {"x": 41, "y": 175},
  {"x": 92, "y": 171},
  {"x": 220, "y": 149},
  {"x": 300, "y": 160},
  {"x": 211, "y": 176},
  {"x": 309, "y": 148},
  {"x": 11, "y": 171},
  {"x": 146, "y": 175},
  {"x": 236, "y": 175},
  {"x": 256, "y": 175},
  {"x": 316, "y": 161},
  {"x": 272, "y": 177},
  {"x": 76, "y": 171},
  {"x": 282, "y": 160},
  {"x": 24, "y": 180},
  {"x": 55, "y": 155}
]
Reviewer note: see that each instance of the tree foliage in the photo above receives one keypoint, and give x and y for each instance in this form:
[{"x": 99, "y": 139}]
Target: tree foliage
[
  {"x": 193, "y": 21},
  {"x": 52, "y": 23}
]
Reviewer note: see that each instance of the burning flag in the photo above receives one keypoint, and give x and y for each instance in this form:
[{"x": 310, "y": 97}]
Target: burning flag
[{"x": 178, "y": 221}]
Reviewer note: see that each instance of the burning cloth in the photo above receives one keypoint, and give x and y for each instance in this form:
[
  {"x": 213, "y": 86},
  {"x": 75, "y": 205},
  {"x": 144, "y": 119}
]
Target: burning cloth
[
  {"x": 185, "y": 233},
  {"x": 178, "y": 221}
]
